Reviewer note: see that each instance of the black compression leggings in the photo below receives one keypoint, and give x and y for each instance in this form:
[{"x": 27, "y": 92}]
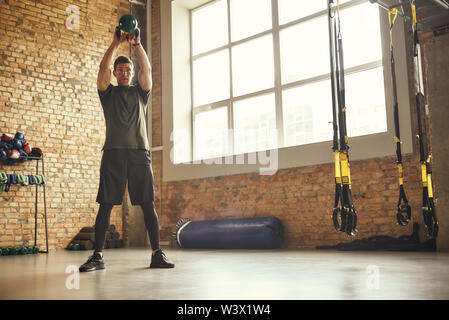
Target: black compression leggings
[{"x": 103, "y": 219}]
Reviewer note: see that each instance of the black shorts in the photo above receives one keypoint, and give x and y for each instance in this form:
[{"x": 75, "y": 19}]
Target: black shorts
[{"x": 120, "y": 165}]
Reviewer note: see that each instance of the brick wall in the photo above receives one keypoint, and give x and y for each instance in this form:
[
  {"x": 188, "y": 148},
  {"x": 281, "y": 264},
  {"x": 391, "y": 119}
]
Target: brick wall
[
  {"x": 301, "y": 198},
  {"x": 48, "y": 92},
  {"x": 436, "y": 64},
  {"x": 156, "y": 125}
]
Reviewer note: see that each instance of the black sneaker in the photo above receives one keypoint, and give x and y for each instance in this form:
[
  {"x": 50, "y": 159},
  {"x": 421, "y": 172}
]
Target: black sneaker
[
  {"x": 159, "y": 260},
  {"x": 95, "y": 262}
]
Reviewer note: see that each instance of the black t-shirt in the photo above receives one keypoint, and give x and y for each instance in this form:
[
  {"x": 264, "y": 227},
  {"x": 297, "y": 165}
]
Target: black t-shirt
[{"x": 125, "y": 112}]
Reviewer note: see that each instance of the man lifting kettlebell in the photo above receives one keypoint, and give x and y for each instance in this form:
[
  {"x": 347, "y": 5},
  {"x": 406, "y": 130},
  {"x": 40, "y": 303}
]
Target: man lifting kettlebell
[{"x": 126, "y": 155}]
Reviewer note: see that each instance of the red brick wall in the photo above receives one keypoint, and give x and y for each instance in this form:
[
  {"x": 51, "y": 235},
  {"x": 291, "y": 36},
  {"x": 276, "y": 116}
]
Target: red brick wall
[
  {"x": 302, "y": 198},
  {"x": 156, "y": 96},
  {"x": 48, "y": 92}
]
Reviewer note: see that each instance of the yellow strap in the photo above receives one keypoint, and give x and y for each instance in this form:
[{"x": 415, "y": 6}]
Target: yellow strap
[
  {"x": 349, "y": 175},
  {"x": 344, "y": 167},
  {"x": 401, "y": 175},
  {"x": 429, "y": 180},
  {"x": 414, "y": 12},
  {"x": 397, "y": 139},
  {"x": 337, "y": 166},
  {"x": 391, "y": 22},
  {"x": 429, "y": 185},
  {"x": 424, "y": 174}
]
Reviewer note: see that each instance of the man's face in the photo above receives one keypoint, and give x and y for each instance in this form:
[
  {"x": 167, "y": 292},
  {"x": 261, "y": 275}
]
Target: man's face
[{"x": 124, "y": 73}]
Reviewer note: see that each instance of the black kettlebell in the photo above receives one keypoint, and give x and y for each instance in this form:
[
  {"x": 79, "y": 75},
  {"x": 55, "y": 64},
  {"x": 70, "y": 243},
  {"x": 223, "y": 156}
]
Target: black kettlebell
[{"x": 128, "y": 24}]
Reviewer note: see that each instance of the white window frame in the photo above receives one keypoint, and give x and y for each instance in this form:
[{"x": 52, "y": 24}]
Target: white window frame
[{"x": 362, "y": 147}]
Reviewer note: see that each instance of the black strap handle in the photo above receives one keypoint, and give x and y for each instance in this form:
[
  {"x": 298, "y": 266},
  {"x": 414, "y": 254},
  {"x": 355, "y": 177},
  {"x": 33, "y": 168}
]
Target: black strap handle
[
  {"x": 429, "y": 215},
  {"x": 403, "y": 208}
]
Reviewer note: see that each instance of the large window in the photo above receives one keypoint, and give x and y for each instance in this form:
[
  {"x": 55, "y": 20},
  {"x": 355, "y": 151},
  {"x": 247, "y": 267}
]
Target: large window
[
  {"x": 246, "y": 85},
  {"x": 262, "y": 66}
]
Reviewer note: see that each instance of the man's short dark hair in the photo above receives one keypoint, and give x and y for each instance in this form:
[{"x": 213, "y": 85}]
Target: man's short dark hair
[{"x": 122, "y": 59}]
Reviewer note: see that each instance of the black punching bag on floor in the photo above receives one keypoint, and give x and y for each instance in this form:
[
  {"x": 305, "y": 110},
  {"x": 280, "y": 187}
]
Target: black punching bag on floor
[{"x": 243, "y": 233}]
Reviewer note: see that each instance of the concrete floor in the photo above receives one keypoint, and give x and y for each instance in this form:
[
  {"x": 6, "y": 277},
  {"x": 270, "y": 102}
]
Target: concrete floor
[{"x": 229, "y": 275}]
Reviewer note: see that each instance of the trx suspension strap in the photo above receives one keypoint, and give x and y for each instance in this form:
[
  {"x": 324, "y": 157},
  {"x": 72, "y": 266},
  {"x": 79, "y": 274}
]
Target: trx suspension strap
[
  {"x": 403, "y": 206},
  {"x": 428, "y": 208},
  {"x": 344, "y": 215}
]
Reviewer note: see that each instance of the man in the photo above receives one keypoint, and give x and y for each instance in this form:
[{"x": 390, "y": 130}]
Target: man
[{"x": 126, "y": 153}]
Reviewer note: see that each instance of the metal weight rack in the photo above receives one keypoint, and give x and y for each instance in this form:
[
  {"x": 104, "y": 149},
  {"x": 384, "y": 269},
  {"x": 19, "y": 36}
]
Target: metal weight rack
[{"x": 37, "y": 159}]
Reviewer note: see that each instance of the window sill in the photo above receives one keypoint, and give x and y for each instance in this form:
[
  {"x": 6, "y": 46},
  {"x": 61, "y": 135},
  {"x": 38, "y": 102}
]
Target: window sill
[{"x": 271, "y": 161}]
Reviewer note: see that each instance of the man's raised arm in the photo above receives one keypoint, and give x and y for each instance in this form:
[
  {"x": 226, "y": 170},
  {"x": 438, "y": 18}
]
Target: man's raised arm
[
  {"x": 144, "y": 75},
  {"x": 104, "y": 74}
]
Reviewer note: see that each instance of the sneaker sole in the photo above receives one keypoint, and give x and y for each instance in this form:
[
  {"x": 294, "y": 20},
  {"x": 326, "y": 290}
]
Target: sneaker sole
[
  {"x": 162, "y": 267},
  {"x": 92, "y": 269}
]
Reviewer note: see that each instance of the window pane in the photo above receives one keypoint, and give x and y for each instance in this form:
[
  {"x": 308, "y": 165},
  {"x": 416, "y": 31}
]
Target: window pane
[
  {"x": 360, "y": 28},
  {"x": 255, "y": 124},
  {"x": 211, "y": 134},
  {"x": 209, "y": 27},
  {"x": 305, "y": 50},
  {"x": 259, "y": 12},
  {"x": 365, "y": 101},
  {"x": 211, "y": 78},
  {"x": 290, "y": 10},
  {"x": 253, "y": 66},
  {"x": 307, "y": 111}
]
